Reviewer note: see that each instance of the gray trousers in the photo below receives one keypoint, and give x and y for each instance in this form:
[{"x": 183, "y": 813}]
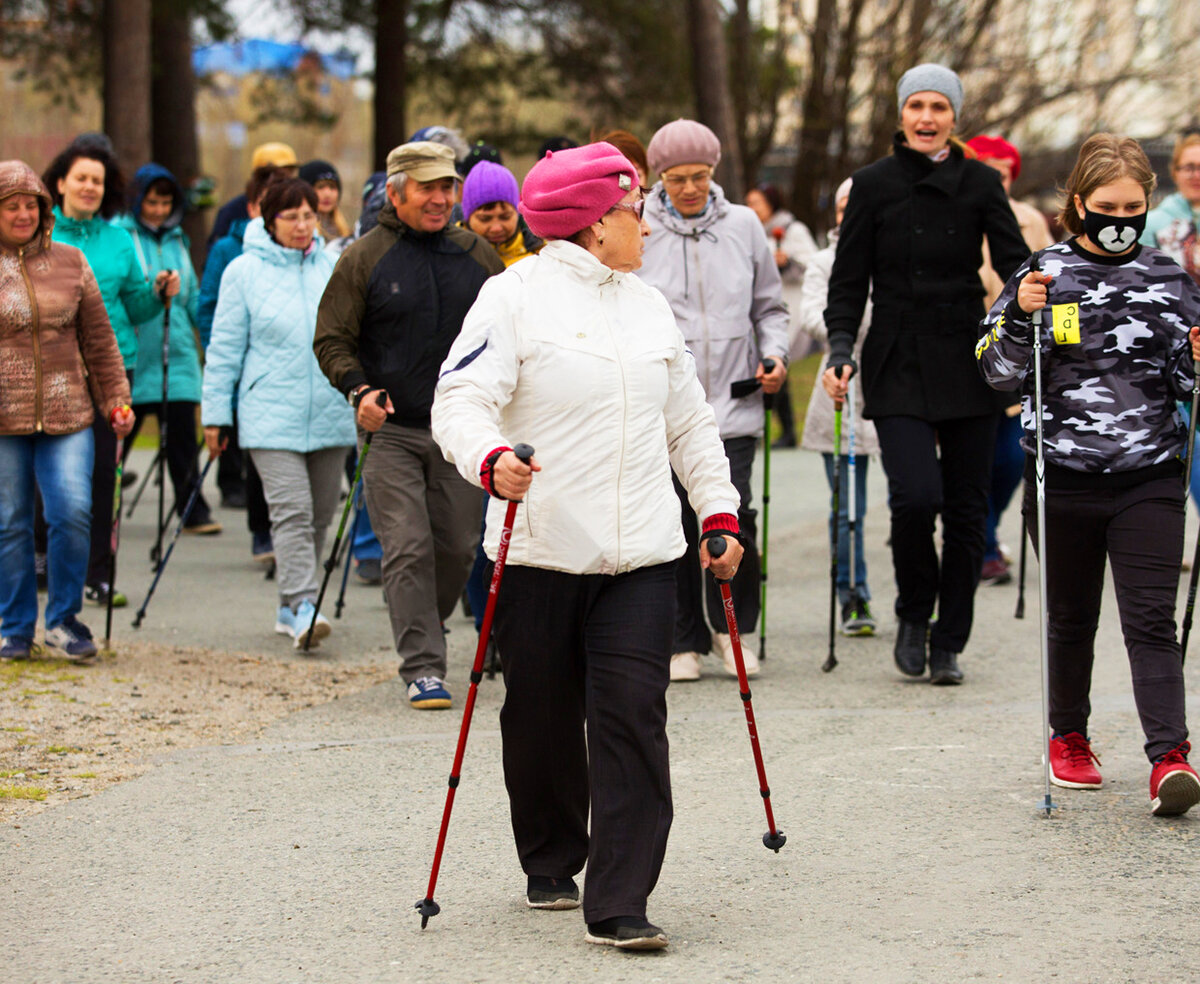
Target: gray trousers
[
  {"x": 427, "y": 519},
  {"x": 302, "y": 493}
]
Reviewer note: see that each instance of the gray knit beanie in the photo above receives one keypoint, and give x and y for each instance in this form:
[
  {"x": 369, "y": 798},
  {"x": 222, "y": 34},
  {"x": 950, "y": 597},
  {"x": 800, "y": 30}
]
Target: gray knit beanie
[{"x": 931, "y": 78}]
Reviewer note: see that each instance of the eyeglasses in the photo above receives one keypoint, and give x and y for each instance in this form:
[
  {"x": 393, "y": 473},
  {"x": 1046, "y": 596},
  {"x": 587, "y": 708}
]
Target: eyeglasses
[
  {"x": 637, "y": 208},
  {"x": 297, "y": 217},
  {"x": 1191, "y": 170},
  {"x": 679, "y": 181}
]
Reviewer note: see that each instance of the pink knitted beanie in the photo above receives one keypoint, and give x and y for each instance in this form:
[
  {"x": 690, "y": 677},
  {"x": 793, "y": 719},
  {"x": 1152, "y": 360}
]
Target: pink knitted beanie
[{"x": 568, "y": 190}]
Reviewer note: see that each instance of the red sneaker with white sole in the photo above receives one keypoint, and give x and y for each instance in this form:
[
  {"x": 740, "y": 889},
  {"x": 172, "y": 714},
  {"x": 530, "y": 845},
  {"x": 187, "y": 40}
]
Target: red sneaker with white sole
[
  {"x": 1174, "y": 785},
  {"x": 1071, "y": 759}
]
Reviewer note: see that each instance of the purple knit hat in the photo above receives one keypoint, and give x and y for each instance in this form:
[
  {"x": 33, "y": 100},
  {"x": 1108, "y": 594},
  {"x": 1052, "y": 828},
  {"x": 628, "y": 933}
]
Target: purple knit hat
[
  {"x": 682, "y": 142},
  {"x": 487, "y": 183},
  {"x": 568, "y": 190}
]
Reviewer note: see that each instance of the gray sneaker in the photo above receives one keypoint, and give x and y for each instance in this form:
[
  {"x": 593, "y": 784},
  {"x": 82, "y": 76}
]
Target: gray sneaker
[
  {"x": 74, "y": 638},
  {"x": 857, "y": 619}
]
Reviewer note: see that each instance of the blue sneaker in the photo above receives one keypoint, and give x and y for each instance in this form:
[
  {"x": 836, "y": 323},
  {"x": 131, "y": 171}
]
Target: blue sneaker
[
  {"x": 74, "y": 638},
  {"x": 15, "y": 647},
  {"x": 304, "y": 618},
  {"x": 428, "y": 694}
]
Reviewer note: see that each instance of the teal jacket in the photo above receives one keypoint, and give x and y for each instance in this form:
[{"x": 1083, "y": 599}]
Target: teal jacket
[
  {"x": 166, "y": 251},
  {"x": 128, "y": 297},
  {"x": 1172, "y": 208},
  {"x": 261, "y": 350}
]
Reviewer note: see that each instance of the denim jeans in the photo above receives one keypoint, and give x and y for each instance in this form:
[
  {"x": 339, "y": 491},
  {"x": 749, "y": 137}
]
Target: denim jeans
[
  {"x": 843, "y": 539},
  {"x": 61, "y": 466}
]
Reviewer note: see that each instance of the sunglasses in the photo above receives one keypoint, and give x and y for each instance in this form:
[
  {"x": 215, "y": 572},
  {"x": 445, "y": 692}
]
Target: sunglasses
[{"x": 637, "y": 208}]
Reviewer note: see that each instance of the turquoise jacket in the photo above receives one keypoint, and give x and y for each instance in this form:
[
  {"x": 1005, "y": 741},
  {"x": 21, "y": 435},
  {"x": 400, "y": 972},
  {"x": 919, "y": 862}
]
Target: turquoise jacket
[
  {"x": 1171, "y": 209},
  {"x": 128, "y": 297},
  {"x": 166, "y": 250},
  {"x": 261, "y": 350}
]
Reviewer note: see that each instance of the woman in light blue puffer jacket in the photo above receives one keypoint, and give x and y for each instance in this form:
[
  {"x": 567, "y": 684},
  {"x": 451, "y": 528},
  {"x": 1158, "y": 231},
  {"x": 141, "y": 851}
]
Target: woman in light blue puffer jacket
[{"x": 294, "y": 424}]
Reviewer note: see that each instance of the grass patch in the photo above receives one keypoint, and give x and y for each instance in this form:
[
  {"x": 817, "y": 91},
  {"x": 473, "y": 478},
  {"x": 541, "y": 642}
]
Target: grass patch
[
  {"x": 62, "y": 749},
  {"x": 15, "y": 727},
  {"x": 10, "y": 773},
  {"x": 83, "y": 775},
  {"x": 37, "y": 693},
  {"x": 23, "y": 792}
]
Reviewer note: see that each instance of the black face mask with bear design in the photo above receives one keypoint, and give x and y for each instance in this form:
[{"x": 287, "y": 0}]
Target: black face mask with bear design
[{"x": 1112, "y": 234}]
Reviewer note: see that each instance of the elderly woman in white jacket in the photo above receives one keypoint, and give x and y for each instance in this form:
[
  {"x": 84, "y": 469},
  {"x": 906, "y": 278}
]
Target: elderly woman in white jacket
[{"x": 572, "y": 353}]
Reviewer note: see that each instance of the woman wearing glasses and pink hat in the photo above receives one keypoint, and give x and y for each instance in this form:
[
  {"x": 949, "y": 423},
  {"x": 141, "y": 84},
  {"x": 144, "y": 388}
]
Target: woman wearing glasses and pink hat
[{"x": 572, "y": 353}]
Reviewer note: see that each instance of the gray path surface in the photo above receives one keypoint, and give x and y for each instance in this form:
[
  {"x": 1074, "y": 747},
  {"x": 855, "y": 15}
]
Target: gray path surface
[{"x": 914, "y": 851}]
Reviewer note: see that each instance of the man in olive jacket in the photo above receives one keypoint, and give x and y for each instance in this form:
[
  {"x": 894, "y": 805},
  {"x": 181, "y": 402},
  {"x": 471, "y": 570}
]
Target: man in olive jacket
[{"x": 395, "y": 303}]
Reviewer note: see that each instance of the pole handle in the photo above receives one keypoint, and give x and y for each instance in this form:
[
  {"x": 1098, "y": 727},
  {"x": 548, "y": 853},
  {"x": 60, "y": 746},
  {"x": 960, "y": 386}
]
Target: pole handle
[{"x": 524, "y": 452}]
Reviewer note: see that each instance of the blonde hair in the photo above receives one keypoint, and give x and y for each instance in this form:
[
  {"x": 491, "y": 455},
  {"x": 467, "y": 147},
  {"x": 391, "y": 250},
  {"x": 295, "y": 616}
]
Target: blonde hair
[
  {"x": 1182, "y": 144},
  {"x": 1103, "y": 158}
]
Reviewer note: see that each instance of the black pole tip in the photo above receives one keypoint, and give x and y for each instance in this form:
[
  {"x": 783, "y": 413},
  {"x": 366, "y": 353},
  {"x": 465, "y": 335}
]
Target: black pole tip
[
  {"x": 828, "y": 665},
  {"x": 137, "y": 622},
  {"x": 774, "y": 841},
  {"x": 428, "y": 909}
]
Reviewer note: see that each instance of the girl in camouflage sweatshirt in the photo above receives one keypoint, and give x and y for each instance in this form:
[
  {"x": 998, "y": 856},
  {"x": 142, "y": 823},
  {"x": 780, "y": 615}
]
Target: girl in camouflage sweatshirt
[{"x": 1116, "y": 357}]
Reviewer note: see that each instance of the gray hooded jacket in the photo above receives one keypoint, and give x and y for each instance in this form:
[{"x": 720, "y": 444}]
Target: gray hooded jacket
[{"x": 718, "y": 273}]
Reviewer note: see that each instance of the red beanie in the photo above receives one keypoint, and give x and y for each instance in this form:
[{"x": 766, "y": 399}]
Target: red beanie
[
  {"x": 568, "y": 190},
  {"x": 998, "y": 148}
]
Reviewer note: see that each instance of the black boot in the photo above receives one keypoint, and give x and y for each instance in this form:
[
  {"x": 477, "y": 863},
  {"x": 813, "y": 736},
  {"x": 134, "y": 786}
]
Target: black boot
[
  {"x": 910, "y": 647},
  {"x": 943, "y": 667}
]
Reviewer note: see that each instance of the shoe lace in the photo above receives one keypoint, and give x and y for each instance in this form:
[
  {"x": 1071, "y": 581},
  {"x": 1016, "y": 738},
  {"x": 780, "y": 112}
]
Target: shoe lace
[
  {"x": 1079, "y": 750},
  {"x": 1177, "y": 754}
]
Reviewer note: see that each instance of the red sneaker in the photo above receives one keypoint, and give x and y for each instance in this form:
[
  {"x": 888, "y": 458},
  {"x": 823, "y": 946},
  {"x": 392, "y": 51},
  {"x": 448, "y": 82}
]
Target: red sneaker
[
  {"x": 1071, "y": 758},
  {"x": 1174, "y": 785}
]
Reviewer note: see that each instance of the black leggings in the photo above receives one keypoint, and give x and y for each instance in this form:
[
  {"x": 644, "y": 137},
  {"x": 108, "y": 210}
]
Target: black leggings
[
  {"x": 1140, "y": 532},
  {"x": 943, "y": 467}
]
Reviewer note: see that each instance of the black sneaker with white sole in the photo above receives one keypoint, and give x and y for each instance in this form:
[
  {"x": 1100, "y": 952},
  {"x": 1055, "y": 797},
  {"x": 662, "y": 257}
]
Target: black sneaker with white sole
[
  {"x": 626, "y": 933},
  {"x": 551, "y": 893}
]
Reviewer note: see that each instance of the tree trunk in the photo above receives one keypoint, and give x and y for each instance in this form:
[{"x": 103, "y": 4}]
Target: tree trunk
[
  {"x": 740, "y": 82},
  {"x": 173, "y": 107},
  {"x": 391, "y": 76},
  {"x": 710, "y": 80},
  {"x": 127, "y": 79},
  {"x": 811, "y": 171}
]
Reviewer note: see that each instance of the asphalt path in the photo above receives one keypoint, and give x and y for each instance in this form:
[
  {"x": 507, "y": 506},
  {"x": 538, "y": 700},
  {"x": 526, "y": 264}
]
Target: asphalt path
[{"x": 915, "y": 850}]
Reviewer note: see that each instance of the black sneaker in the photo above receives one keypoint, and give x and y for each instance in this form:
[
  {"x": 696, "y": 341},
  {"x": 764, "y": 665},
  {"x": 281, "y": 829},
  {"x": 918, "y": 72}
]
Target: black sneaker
[
  {"x": 551, "y": 893},
  {"x": 943, "y": 667},
  {"x": 626, "y": 933},
  {"x": 911, "y": 640},
  {"x": 369, "y": 570},
  {"x": 97, "y": 594},
  {"x": 857, "y": 619}
]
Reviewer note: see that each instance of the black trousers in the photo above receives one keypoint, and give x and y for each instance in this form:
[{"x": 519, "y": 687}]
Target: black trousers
[
  {"x": 695, "y": 589},
  {"x": 1140, "y": 532},
  {"x": 588, "y": 652},
  {"x": 943, "y": 467},
  {"x": 183, "y": 451}
]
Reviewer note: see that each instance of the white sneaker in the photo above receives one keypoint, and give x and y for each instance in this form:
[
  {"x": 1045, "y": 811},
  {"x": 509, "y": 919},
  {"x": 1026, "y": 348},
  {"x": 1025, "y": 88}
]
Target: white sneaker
[
  {"x": 685, "y": 666},
  {"x": 723, "y": 644}
]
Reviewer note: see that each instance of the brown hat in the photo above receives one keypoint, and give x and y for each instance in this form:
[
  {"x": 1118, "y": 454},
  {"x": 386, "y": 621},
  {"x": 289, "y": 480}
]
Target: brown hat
[
  {"x": 422, "y": 160},
  {"x": 279, "y": 154}
]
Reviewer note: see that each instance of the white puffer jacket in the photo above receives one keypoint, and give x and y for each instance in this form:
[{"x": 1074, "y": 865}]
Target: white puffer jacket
[{"x": 587, "y": 365}]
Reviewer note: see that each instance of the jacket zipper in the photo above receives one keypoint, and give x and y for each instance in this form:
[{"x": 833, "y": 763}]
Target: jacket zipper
[
  {"x": 624, "y": 426},
  {"x": 704, "y": 318},
  {"x": 37, "y": 344},
  {"x": 304, "y": 307}
]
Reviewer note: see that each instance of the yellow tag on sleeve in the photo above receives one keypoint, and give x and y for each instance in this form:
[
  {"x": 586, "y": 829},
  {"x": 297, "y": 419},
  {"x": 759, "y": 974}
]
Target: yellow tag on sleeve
[{"x": 1065, "y": 319}]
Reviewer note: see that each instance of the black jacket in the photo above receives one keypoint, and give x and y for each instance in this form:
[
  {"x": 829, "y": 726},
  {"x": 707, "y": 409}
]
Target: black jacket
[
  {"x": 912, "y": 235},
  {"x": 393, "y": 307}
]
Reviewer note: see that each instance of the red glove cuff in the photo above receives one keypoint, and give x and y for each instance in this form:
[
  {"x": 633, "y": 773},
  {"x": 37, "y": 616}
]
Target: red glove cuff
[
  {"x": 485, "y": 471},
  {"x": 721, "y": 522}
]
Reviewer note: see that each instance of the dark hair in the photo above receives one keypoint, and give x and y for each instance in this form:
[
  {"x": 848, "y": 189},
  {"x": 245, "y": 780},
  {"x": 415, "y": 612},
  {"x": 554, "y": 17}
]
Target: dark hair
[
  {"x": 260, "y": 179},
  {"x": 284, "y": 194},
  {"x": 772, "y": 195},
  {"x": 162, "y": 186},
  {"x": 630, "y": 146},
  {"x": 114, "y": 182}
]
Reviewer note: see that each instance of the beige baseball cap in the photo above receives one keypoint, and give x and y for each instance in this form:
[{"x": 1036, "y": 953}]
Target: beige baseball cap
[
  {"x": 422, "y": 160},
  {"x": 279, "y": 154}
]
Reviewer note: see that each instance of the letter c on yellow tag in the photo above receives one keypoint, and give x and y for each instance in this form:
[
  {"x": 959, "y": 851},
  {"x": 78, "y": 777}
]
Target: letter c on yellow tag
[{"x": 1065, "y": 319}]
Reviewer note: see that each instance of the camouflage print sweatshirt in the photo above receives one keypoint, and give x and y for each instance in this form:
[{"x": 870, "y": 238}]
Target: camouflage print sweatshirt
[{"x": 1116, "y": 358}]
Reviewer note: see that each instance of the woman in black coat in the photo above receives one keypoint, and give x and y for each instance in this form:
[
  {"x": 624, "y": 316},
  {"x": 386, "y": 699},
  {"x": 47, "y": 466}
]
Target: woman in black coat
[{"x": 913, "y": 235}]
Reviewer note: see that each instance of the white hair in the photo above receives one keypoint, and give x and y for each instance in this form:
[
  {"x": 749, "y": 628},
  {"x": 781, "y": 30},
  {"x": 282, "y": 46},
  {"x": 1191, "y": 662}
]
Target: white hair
[{"x": 397, "y": 183}]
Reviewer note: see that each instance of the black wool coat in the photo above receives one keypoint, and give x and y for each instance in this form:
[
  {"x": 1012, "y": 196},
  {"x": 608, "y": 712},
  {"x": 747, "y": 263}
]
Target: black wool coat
[{"x": 913, "y": 235}]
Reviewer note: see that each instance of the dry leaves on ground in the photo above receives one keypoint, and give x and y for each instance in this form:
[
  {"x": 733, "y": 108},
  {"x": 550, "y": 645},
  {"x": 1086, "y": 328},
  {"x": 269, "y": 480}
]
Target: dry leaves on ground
[{"x": 68, "y": 731}]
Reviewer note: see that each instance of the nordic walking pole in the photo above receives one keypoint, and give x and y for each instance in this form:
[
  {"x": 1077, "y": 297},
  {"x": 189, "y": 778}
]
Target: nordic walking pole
[
  {"x": 774, "y": 838},
  {"x": 137, "y": 496},
  {"x": 851, "y": 487},
  {"x": 426, "y": 906},
  {"x": 183, "y": 518},
  {"x": 831, "y": 659},
  {"x": 1191, "y": 595},
  {"x": 162, "y": 425},
  {"x": 768, "y": 403},
  {"x": 114, "y": 540},
  {"x": 1047, "y": 803},
  {"x": 331, "y": 561},
  {"x": 341, "y": 600},
  {"x": 1020, "y": 611}
]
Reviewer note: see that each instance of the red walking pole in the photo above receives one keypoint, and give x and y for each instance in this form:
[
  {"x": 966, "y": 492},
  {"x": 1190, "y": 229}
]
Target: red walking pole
[
  {"x": 426, "y": 906},
  {"x": 774, "y": 838}
]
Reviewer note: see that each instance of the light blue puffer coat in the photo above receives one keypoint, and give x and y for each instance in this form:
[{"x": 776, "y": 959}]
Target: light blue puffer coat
[{"x": 261, "y": 346}]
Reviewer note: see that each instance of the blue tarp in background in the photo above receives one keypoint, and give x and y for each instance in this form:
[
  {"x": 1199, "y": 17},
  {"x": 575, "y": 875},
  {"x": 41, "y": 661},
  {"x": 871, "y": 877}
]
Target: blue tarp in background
[{"x": 276, "y": 57}]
